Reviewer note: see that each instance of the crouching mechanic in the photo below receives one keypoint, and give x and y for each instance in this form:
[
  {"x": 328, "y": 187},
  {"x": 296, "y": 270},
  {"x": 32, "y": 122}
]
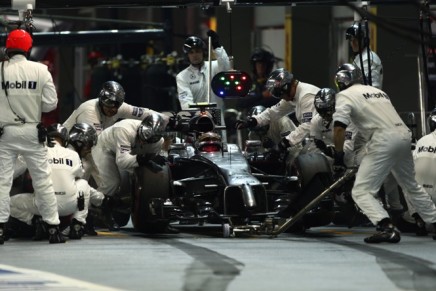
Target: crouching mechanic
[
  {"x": 424, "y": 156},
  {"x": 126, "y": 145},
  {"x": 295, "y": 96},
  {"x": 387, "y": 138},
  {"x": 72, "y": 192}
]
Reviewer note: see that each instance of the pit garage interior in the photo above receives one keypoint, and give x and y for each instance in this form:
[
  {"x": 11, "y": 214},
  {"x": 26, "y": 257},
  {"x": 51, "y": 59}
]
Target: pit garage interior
[{"x": 139, "y": 44}]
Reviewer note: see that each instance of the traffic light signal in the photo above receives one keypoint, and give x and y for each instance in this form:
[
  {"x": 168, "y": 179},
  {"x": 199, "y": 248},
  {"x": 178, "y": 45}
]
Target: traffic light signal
[{"x": 231, "y": 84}]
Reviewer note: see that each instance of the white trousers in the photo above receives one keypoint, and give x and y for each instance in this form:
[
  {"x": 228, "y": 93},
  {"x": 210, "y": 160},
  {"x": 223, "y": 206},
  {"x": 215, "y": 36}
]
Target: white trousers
[
  {"x": 23, "y": 139},
  {"x": 23, "y": 206},
  {"x": 389, "y": 150}
]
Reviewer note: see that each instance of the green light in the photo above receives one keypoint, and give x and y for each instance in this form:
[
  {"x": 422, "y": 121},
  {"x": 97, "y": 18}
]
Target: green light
[{"x": 227, "y": 83}]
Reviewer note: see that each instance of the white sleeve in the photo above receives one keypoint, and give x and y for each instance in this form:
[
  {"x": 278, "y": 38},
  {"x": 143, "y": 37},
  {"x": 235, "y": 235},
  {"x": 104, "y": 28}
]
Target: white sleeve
[
  {"x": 315, "y": 131},
  {"x": 123, "y": 158},
  {"x": 222, "y": 62},
  {"x": 49, "y": 94},
  {"x": 138, "y": 113},
  {"x": 306, "y": 114},
  {"x": 275, "y": 112}
]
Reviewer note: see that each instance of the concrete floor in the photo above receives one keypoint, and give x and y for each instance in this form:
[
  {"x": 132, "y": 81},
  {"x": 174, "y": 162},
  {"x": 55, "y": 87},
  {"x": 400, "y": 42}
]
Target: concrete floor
[{"x": 325, "y": 258}]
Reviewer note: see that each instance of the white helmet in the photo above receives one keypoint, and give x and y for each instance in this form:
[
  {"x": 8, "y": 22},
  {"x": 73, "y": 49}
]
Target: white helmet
[
  {"x": 278, "y": 82},
  {"x": 347, "y": 75},
  {"x": 151, "y": 129},
  {"x": 111, "y": 95}
]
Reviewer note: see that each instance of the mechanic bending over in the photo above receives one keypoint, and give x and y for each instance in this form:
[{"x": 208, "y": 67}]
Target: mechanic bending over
[
  {"x": 269, "y": 134},
  {"x": 72, "y": 192},
  {"x": 28, "y": 90},
  {"x": 321, "y": 127},
  {"x": 127, "y": 145},
  {"x": 295, "y": 96},
  {"x": 372, "y": 68},
  {"x": 387, "y": 138},
  {"x": 104, "y": 111}
]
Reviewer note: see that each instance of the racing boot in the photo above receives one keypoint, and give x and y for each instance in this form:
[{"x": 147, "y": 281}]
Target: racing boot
[
  {"x": 76, "y": 229},
  {"x": 89, "y": 226},
  {"x": 420, "y": 225},
  {"x": 107, "y": 207},
  {"x": 170, "y": 230},
  {"x": 54, "y": 235},
  {"x": 386, "y": 233},
  {"x": 40, "y": 228}
]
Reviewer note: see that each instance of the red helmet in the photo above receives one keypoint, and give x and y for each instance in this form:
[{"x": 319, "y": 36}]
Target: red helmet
[{"x": 20, "y": 40}]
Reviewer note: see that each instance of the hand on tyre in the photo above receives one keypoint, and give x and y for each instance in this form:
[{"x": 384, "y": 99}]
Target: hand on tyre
[
  {"x": 214, "y": 39},
  {"x": 143, "y": 159},
  {"x": 327, "y": 150},
  {"x": 249, "y": 123},
  {"x": 284, "y": 144},
  {"x": 268, "y": 143},
  {"x": 320, "y": 144}
]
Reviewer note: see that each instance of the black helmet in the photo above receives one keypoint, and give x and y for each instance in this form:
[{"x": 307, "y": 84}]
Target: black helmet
[
  {"x": 58, "y": 130},
  {"x": 151, "y": 129},
  {"x": 261, "y": 55},
  {"x": 431, "y": 120},
  {"x": 111, "y": 95},
  {"x": 202, "y": 122},
  {"x": 347, "y": 75},
  {"x": 193, "y": 42},
  {"x": 278, "y": 82},
  {"x": 325, "y": 103},
  {"x": 356, "y": 31},
  {"x": 82, "y": 135}
]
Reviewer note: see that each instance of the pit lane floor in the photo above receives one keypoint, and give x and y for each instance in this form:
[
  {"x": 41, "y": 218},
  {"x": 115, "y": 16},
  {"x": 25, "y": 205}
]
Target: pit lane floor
[{"x": 324, "y": 258}]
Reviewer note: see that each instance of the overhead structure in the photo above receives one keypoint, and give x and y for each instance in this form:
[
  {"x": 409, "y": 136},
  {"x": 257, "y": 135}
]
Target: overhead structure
[
  {"x": 75, "y": 38},
  {"x": 47, "y": 4}
]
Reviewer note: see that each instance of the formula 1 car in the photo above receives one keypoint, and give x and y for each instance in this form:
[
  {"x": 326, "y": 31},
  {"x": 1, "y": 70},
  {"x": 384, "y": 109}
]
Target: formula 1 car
[{"x": 205, "y": 180}]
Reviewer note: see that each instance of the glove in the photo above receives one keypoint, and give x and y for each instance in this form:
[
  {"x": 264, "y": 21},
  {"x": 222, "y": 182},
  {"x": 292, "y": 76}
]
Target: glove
[
  {"x": 284, "y": 144},
  {"x": 267, "y": 143},
  {"x": 160, "y": 160},
  {"x": 327, "y": 150},
  {"x": 320, "y": 144},
  {"x": 249, "y": 123},
  {"x": 339, "y": 167},
  {"x": 174, "y": 123},
  {"x": 143, "y": 159},
  {"x": 214, "y": 38},
  {"x": 152, "y": 162}
]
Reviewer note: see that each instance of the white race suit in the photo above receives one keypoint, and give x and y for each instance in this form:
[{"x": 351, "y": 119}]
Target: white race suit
[
  {"x": 90, "y": 112},
  {"x": 66, "y": 175},
  {"x": 112, "y": 153},
  {"x": 388, "y": 144},
  {"x": 30, "y": 91}
]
